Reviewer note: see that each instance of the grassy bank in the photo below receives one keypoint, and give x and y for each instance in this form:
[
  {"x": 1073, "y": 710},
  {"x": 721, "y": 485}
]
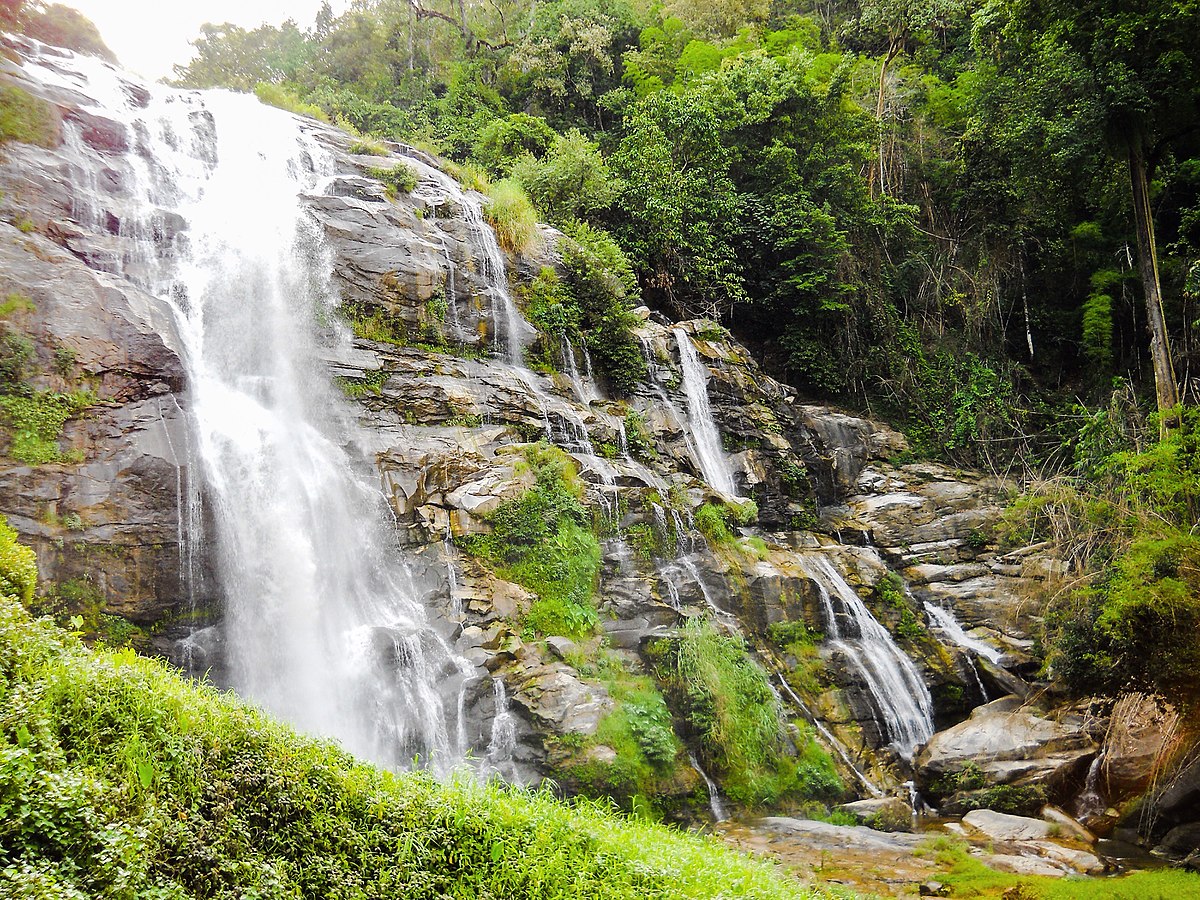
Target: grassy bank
[{"x": 120, "y": 779}]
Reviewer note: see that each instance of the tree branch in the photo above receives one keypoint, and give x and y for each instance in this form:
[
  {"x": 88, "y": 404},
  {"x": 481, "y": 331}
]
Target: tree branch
[{"x": 473, "y": 41}]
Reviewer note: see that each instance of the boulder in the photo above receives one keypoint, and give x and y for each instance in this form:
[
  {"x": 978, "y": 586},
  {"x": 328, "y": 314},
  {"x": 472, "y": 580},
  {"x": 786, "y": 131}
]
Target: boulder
[
  {"x": 1003, "y": 828},
  {"x": 1067, "y": 827},
  {"x": 1023, "y": 865},
  {"x": 1009, "y": 744}
]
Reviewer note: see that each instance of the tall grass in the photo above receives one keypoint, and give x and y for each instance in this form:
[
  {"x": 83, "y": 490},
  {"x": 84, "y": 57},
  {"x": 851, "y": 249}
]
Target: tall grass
[
  {"x": 511, "y": 213},
  {"x": 118, "y": 778},
  {"x": 279, "y": 96}
]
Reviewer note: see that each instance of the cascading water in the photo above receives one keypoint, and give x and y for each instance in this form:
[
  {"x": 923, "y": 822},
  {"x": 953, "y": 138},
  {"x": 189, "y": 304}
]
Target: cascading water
[
  {"x": 715, "y": 806},
  {"x": 705, "y": 438},
  {"x": 504, "y": 735},
  {"x": 944, "y": 621},
  {"x": 321, "y": 624},
  {"x": 897, "y": 692}
]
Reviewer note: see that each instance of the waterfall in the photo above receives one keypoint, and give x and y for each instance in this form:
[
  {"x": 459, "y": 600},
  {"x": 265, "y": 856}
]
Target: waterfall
[
  {"x": 322, "y": 626},
  {"x": 715, "y": 806},
  {"x": 705, "y": 438},
  {"x": 504, "y": 735},
  {"x": 943, "y": 620},
  {"x": 897, "y": 692}
]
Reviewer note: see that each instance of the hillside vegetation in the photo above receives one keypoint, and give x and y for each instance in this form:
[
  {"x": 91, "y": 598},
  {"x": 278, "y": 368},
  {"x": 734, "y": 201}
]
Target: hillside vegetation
[
  {"x": 979, "y": 219},
  {"x": 120, "y": 779}
]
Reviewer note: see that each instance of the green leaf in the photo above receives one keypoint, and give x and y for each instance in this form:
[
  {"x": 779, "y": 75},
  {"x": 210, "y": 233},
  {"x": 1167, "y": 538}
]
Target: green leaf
[
  {"x": 145, "y": 773},
  {"x": 23, "y": 737}
]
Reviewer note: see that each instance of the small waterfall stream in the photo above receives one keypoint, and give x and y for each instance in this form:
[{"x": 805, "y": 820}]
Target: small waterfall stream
[
  {"x": 897, "y": 692},
  {"x": 705, "y": 438}
]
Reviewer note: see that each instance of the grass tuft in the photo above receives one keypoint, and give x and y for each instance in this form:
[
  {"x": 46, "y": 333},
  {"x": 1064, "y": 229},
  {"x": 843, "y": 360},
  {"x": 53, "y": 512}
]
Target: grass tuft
[
  {"x": 511, "y": 213},
  {"x": 25, "y": 118},
  {"x": 279, "y": 96}
]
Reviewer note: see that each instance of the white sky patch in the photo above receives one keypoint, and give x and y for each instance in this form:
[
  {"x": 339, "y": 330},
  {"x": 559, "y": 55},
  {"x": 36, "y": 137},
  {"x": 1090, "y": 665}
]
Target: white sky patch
[{"x": 150, "y": 36}]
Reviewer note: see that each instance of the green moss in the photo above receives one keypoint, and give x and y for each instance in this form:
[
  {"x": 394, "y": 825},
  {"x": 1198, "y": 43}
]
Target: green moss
[
  {"x": 16, "y": 302},
  {"x": 890, "y": 591},
  {"x": 376, "y": 325},
  {"x": 370, "y": 384},
  {"x": 36, "y": 423},
  {"x": 25, "y": 118},
  {"x": 638, "y": 437},
  {"x": 543, "y": 541}
]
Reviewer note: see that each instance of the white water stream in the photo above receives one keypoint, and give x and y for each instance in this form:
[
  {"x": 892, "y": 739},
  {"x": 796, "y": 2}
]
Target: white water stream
[
  {"x": 705, "y": 438},
  {"x": 897, "y": 692},
  {"x": 322, "y": 626}
]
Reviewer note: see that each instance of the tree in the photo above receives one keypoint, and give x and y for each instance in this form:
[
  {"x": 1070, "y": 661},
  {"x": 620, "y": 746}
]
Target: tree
[
  {"x": 1146, "y": 62},
  {"x": 896, "y": 23},
  {"x": 63, "y": 27},
  {"x": 572, "y": 181}
]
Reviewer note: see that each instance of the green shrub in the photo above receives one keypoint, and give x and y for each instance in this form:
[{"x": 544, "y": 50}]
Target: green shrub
[
  {"x": 504, "y": 141},
  {"x": 571, "y": 182},
  {"x": 367, "y": 147},
  {"x": 734, "y": 717},
  {"x": 1125, "y": 524},
  {"x": 469, "y": 176},
  {"x": 37, "y": 421},
  {"x": 370, "y": 384},
  {"x": 509, "y": 211},
  {"x": 398, "y": 179},
  {"x": 601, "y": 280},
  {"x": 543, "y": 541},
  {"x": 375, "y": 325},
  {"x": 890, "y": 592},
  {"x": 638, "y": 437},
  {"x": 25, "y": 118},
  {"x": 712, "y": 522},
  {"x": 16, "y": 352},
  {"x": 18, "y": 567},
  {"x": 279, "y": 96}
]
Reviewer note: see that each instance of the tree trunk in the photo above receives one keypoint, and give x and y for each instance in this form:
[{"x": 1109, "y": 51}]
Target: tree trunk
[
  {"x": 878, "y": 174},
  {"x": 1166, "y": 388}
]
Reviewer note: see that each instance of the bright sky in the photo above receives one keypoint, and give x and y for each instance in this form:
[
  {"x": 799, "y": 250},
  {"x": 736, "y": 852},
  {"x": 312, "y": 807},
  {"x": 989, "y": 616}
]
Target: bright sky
[{"x": 149, "y": 36}]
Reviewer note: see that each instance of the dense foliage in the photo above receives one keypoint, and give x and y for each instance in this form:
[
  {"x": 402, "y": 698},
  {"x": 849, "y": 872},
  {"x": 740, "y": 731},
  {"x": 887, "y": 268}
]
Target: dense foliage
[
  {"x": 931, "y": 209},
  {"x": 544, "y": 540},
  {"x": 733, "y": 716}
]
